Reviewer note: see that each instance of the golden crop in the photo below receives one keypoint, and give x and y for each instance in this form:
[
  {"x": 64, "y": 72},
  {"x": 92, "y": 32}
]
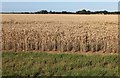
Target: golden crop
[{"x": 52, "y": 32}]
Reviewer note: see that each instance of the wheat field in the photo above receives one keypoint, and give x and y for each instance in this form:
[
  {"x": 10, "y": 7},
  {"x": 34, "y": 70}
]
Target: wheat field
[{"x": 60, "y": 32}]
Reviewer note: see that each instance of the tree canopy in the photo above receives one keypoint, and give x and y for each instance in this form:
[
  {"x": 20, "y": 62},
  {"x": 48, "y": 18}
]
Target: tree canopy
[{"x": 64, "y": 12}]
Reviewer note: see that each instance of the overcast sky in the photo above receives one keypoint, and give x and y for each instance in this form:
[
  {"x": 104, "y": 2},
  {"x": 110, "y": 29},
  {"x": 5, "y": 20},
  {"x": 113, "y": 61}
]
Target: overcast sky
[{"x": 58, "y": 6}]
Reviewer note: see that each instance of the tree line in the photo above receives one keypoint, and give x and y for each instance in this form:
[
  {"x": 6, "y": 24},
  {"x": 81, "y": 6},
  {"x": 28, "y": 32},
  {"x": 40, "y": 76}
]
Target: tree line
[{"x": 64, "y": 12}]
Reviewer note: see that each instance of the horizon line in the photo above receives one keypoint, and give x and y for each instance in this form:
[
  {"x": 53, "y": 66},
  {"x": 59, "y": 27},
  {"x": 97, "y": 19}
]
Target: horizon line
[{"x": 63, "y": 10}]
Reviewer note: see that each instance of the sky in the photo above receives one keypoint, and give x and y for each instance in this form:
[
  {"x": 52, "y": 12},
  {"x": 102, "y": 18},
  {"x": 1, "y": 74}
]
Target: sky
[
  {"x": 58, "y": 6},
  {"x": 59, "y": 0}
]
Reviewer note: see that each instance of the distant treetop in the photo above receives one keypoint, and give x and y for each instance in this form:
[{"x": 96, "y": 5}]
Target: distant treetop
[{"x": 64, "y": 12}]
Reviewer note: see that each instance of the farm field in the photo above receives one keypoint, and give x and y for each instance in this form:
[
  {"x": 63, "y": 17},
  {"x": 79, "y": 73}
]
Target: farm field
[
  {"x": 36, "y": 64},
  {"x": 52, "y": 32},
  {"x": 59, "y": 45}
]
